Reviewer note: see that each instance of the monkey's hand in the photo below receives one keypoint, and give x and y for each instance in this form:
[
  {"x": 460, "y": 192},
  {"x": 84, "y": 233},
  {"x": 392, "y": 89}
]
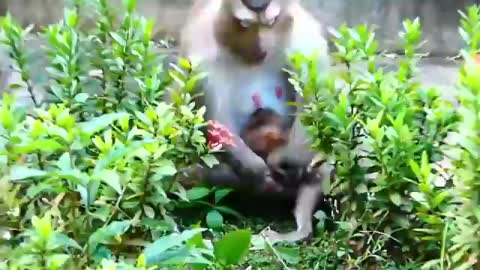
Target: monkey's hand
[
  {"x": 259, "y": 175},
  {"x": 250, "y": 164},
  {"x": 246, "y": 162}
]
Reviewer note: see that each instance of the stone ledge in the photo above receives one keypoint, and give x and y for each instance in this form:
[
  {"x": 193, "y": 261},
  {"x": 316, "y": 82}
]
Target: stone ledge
[{"x": 433, "y": 71}]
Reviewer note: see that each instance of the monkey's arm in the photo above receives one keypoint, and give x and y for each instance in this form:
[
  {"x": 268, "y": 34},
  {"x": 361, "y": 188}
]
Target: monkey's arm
[{"x": 218, "y": 101}]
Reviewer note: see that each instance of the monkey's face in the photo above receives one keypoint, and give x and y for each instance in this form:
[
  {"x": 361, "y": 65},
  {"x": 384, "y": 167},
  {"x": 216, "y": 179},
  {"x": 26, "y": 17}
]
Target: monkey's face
[
  {"x": 265, "y": 139},
  {"x": 255, "y": 30}
]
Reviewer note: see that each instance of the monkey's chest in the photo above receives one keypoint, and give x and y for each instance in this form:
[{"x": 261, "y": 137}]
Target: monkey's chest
[{"x": 263, "y": 91}]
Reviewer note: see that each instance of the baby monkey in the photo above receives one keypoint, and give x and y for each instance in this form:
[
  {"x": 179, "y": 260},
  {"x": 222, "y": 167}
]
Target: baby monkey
[{"x": 265, "y": 135}]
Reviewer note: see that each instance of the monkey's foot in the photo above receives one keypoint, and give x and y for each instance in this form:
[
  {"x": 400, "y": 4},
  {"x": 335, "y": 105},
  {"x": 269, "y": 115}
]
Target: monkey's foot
[{"x": 295, "y": 236}]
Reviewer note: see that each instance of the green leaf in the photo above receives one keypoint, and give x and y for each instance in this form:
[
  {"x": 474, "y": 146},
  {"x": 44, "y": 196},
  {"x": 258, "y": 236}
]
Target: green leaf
[
  {"x": 149, "y": 212},
  {"x": 99, "y": 123},
  {"x": 141, "y": 261},
  {"x": 182, "y": 256},
  {"x": 362, "y": 188},
  {"x": 154, "y": 251},
  {"x": 43, "y": 225},
  {"x": 35, "y": 190},
  {"x": 106, "y": 234},
  {"x": 165, "y": 168},
  {"x": 425, "y": 167},
  {"x": 81, "y": 97},
  {"x": 415, "y": 168},
  {"x": 197, "y": 240},
  {"x": 130, "y": 5},
  {"x": 233, "y": 247},
  {"x": 439, "y": 198},
  {"x": 56, "y": 261},
  {"x": 71, "y": 17},
  {"x": 418, "y": 197},
  {"x": 15, "y": 86},
  {"x": 111, "y": 178},
  {"x": 18, "y": 173},
  {"x": 197, "y": 193},
  {"x": 118, "y": 153},
  {"x": 214, "y": 219},
  {"x": 221, "y": 193},
  {"x": 144, "y": 118},
  {"x": 64, "y": 241},
  {"x": 321, "y": 216},
  {"x": 184, "y": 63},
  {"x": 43, "y": 145},
  {"x": 290, "y": 255},
  {"x": 180, "y": 191},
  {"x": 227, "y": 210},
  {"x": 119, "y": 39},
  {"x": 64, "y": 163},
  {"x": 210, "y": 160},
  {"x": 193, "y": 82},
  {"x": 396, "y": 199}
]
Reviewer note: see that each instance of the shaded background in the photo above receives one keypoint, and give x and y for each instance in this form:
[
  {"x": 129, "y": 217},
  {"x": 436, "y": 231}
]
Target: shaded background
[
  {"x": 439, "y": 17},
  {"x": 440, "y": 20}
]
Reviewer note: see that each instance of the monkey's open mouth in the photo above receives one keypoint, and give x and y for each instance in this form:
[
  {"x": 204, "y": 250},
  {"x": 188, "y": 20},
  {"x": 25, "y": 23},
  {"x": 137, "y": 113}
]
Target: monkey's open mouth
[
  {"x": 257, "y": 57},
  {"x": 260, "y": 56}
]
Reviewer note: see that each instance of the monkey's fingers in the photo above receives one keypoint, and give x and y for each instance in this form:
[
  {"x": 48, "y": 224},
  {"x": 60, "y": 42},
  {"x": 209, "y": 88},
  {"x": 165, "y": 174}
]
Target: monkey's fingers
[
  {"x": 279, "y": 171},
  {"x": 270, "y": 185}
]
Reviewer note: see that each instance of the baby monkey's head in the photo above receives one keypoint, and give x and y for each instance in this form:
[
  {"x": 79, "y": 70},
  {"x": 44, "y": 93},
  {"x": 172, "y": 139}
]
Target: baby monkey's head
[
  {"x": 266, "y": 136},
  {"x": 264, "y": 133}
]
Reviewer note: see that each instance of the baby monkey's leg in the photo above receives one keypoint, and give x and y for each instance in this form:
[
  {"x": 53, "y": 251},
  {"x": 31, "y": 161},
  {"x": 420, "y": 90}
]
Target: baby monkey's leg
[{"x": 307, "y": 198}]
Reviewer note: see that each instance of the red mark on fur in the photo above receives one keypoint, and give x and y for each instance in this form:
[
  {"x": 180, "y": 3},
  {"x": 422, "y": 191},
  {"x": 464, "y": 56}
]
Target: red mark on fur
[
  {"x": 257, "y": 102},
  {"x": 279, "y": 92},
  {"x": 218, "y": 135}
]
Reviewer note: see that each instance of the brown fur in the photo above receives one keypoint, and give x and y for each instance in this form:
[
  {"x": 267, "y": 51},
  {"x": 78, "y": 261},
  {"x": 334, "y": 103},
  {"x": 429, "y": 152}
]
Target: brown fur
[
  {"x": 263, "y": 133},
  {"x": 244, "y": 43},
  {"x": 230, "y": 53}
]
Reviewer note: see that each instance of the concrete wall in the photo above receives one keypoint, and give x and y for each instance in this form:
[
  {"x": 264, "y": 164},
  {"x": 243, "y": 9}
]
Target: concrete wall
[{"x": 439, "y": 17}]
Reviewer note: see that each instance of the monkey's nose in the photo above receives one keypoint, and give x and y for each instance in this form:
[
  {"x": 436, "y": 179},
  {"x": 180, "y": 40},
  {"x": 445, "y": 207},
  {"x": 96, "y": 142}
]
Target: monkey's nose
[{"x": 256, "y": 5}]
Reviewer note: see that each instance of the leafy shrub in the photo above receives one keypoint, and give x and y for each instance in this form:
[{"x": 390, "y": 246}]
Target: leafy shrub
[
  {"x": 464, "y": 227},
  {"x": 88, "y": 175},
  {"x": 387, "y": 135},
  {"x": 382, "y": 130}
]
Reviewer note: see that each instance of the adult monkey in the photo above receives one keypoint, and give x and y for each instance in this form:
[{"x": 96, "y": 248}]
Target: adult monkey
[{"x": 243, "y": 46}]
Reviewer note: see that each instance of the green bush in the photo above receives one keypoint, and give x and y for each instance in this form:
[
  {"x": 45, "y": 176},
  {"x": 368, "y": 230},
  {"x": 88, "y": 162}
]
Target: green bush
[
  {"x": 462, "y": 242},
  {"x": 386, "y": 134},
  {"x": 88, "y": 176}
]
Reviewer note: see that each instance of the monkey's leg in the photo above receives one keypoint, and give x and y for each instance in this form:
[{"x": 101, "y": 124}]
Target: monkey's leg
[{"x": 307, "y": 198}]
